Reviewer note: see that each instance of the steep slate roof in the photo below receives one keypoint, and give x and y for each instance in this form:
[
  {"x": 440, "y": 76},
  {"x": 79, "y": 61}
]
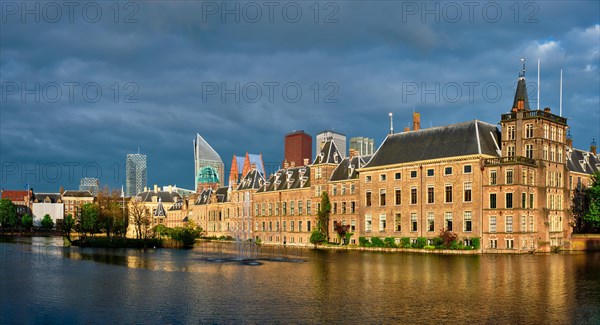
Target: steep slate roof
[
  {"x": 329, "y": 154},
  {"x": 290, "y": 178},
  {"x": 41, "y": 197},
  {"x": 461, "y": 139},
  {"x": 347, "y": 169},
  {"x": 160, "y": 210},
  {"x": 177, "y": 206},
  {"x": 160, "y": 195},
  {"x": 74, "y": 193},
  {"x": 221, "y": 194},
  {"x": 581, "y": 161},
  {"x": 204, "y": 197},
  {"x": 521, "y": 93},
  {"x": 253, "y": 180}
]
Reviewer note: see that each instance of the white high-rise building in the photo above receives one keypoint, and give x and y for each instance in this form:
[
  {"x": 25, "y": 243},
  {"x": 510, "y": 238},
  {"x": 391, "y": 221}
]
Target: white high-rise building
[
  {"x": 338, "y": 138},
  {"x": 136, "y": 177}
]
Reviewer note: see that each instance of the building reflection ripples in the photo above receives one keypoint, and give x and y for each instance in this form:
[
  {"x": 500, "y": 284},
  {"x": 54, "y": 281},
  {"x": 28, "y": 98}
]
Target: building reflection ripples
[{"x": 211, "y": 283}]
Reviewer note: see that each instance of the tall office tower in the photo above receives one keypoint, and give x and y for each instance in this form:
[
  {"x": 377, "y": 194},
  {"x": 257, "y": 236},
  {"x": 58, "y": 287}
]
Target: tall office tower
[
  {"x": 90, "y": 184},
  {"x": 297, "y": 148},
  {"x": 209, "y": 169},
  {"x": 338, "y": 138},
  {"x": 363, "y": 146},
  {"x": 135, "y": 174}
]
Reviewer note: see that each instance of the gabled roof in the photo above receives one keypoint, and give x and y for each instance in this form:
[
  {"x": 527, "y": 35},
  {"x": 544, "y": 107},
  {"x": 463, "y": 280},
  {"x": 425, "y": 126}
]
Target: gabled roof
[
  {"x": 581, "y": 161},
  {"x": 253, "y": 180},
  {"x": 347, "y": 169},
  {"x": 43, "y": 197},
  {"x": 329, "y": 154},
  {"x": 160, "y": 196},
  {"x": 257, "y": 160},
  {"x": 74, "y": 193},
  {"x": 455, "y": 140},
  {"x": 285, "y": 179}
]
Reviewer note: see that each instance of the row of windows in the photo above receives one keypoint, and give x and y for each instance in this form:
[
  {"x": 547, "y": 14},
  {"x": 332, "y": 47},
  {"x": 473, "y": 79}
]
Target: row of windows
[
  {"x": 270, "y": 209},
  {"x": 430, "y": 172},
  {"x": 274, "y": 226},
  {"x": 343, "y": 191},
  {"x": 448, "y": 195},
  {"x": 508, "y": 201},
  {"x": 527, "y": 177},
  {"x": 508, "y": 224},
  {"x": 553, "y": 133},
  {"x": 413, "y": 225}
]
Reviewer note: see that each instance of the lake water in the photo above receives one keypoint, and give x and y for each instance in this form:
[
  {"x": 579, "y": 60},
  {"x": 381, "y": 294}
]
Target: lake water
[{"x": 43, "y": 282}]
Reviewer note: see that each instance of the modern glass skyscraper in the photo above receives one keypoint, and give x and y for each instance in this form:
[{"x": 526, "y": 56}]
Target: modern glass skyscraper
[
  {"x": 209, "y": 169},
  {"x": 90, "y": 184},
  {"x": 135, "y": 174}
]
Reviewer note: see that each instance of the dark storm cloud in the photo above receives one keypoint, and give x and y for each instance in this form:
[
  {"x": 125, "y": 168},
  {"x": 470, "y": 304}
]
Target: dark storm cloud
[{"x": 361, "y": 56}]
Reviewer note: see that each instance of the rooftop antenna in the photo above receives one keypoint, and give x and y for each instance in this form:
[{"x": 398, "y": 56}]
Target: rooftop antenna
[
  {"x": 538, "y": 87},
  {"x": 560, "y": 98},
  {"x": 391, "y": 123},
  {"x": 522, "y": 73}
]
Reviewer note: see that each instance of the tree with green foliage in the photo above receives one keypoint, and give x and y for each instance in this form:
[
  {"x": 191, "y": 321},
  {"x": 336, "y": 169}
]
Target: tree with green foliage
[
  {"x": 26, "y": 222},
  {"x": 88, "y": 221},
  {"x": 317, "y": 237},
  {"x": 586, "y": 207},
  {"x": 68, "y": 225},
  {"x": 323, "y": 214},
  {"x": 47, "y": 223},
  {"x": 8, "y": 214},
  {"x": 186, "y": 235}
]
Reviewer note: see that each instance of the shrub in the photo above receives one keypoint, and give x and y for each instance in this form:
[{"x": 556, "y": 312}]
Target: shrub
[
  {"x": 438, "y": 242},
  {"x": 363, "y": 242},
  {"x": 317, "y": 237},
  {"x": 476, "y": 242},
  {"x": 447, "y": 237},
  {"x": 421, "y": 242},
  {"x": 430, "y": 247},
  {"x": 390, "y": 242},
  {"x": 454, "y": 244},
  {"x": 377, "y": 242},
  {"x": 405, "y": 242}
]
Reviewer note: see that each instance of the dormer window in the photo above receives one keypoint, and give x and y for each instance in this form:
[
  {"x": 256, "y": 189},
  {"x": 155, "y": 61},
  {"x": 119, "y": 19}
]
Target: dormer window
[
  {"x": 335, "y": 158},
  {"x": 583, "y": 164}
]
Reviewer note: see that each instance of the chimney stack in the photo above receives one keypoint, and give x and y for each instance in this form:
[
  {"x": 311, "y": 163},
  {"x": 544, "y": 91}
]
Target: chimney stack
[
  {"x": 547, "y": 109},
  {"x": 593, "y": 146},
  {"x": 416, "y": 121},
  {"x": 286, "y": 165},
  {"x": 353, "y": 153},
  {"x": 155, "y": 188},
  {"x": 253, "y": 166},
  {"x": 569, "y": 142},
  {"x": 305, "y": 161},
  {"x": 293, "y": 164},
  {"x": 406, "y": 129}
]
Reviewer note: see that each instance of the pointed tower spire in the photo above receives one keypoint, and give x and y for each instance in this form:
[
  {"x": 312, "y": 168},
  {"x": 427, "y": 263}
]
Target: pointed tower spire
[{"x": 521, "y": 101}]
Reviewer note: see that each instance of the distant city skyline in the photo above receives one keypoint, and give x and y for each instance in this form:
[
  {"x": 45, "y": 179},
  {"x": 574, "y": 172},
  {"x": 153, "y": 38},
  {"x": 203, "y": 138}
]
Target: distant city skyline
[{"x": 71, "y": 110}]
